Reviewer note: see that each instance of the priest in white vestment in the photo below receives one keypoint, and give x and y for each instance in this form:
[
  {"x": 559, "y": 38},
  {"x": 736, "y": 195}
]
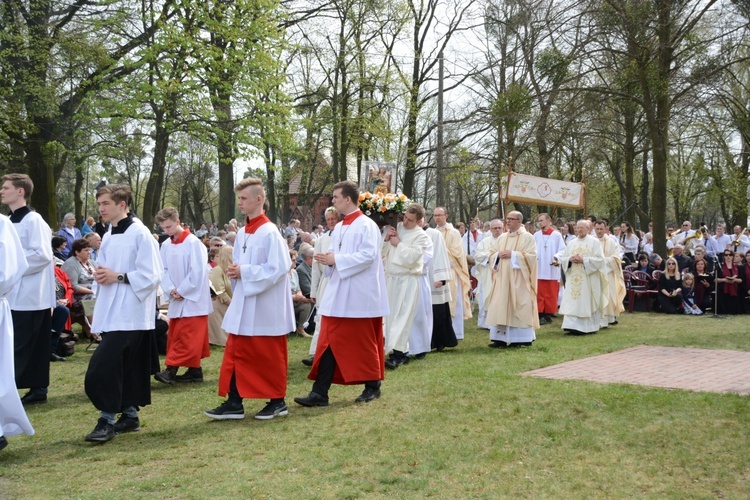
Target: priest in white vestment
[
  {"x": 403, "y": 257},
  {"x": 13, "y": 419},
  {"x": 615, "y": 289},
  {"x": 420, "y": 337},
  {"x": 483, "y": 270},
  {"x": 512, "y": 307},
  {"x": 584, "y": 299},
  {"x": 460, "y": 285}
]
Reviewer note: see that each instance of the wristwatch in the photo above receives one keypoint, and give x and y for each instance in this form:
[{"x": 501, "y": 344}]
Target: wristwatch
[{"x": 121, "y": 278}]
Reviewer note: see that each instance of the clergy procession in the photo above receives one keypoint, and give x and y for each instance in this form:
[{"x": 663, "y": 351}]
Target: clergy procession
[{"x": 375, "y": 294}]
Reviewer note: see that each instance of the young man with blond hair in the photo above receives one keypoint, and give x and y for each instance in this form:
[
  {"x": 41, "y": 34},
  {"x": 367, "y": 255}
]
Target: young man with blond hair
[
  {"x": 185, "y": 286},
  {"x": 260, "y": 315}
]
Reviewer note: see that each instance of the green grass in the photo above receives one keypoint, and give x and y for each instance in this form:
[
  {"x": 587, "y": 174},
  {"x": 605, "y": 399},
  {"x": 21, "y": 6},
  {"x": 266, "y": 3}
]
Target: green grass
[{"x": 458, "y": 424}]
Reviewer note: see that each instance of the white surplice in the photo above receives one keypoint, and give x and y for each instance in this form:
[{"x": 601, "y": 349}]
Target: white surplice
[
  {"x": 439, "y": 268},
  {"x": 356, "y": 281},
  {"x": 583, "y": 299},
  {"x": 13, "y": 265},
  {"x": 403, "y": 272},
  {"x": 36, "y": 290},
  {"x": 128, "y": 306},
  {"x": 185, "y": 270},
  {"x": 262, "y": 297},
  {"x": 318, "y": 284}
]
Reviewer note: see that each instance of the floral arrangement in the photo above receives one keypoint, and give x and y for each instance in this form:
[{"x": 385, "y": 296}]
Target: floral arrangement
[{"x": 381, "y": 203}]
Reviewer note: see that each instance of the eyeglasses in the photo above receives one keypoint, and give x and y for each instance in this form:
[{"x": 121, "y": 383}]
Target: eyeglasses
[
  {"x": 671, "y": 264},
  {"x": 512, "y": 218},
  {"x": 728, "y": 255},
  {"x": 498, "y": 228}
]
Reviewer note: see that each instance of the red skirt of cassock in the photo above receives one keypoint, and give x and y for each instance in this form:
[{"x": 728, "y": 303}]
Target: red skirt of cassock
[
  {"x": 187, "y": 341},
  {"x": 259, "y": 365},
  {"x": 357, "y": 345},
  {"x": 546, "y": 296}
]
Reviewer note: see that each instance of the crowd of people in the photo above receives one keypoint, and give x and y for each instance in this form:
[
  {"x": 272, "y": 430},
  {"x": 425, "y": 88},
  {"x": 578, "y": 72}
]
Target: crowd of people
[{"x": 368, "y": 296}]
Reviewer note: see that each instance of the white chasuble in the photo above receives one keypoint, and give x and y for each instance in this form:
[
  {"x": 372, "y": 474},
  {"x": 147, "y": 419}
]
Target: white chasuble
[
  {"x": 403, "y": 272},
  {"x": 583, "y": 299},
  {"x": 615, "y": 289}
]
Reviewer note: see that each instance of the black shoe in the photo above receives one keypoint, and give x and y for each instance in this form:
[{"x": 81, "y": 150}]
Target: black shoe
[
  {"x": 168, "y": 376},
  {"x": 191, "y": 375},
  {"x": 390, "y": 364},
  {"x": 272, "y": 410},
  {"x": 3, "y": 442},
  {"x": 33, "y": 398},
  {"x": 496, "y": 344},
  {"x": 520, "y": 344},
  {"x": 440, "y": 349},
  {"x": 421, "y": 355},
  {"x": 226, "y": 411},
  {"x": 312, "y": 399},
  {"x": 543, "y": 320},
  {"x": 127, "y": 424},
  {"x": 308, "y": 361},
  {"x": 54, "y": 357},
  {"x": 369, "y": 394},
  {"x": 103, "y": 432},
  {"x": 614, "y": 322}
]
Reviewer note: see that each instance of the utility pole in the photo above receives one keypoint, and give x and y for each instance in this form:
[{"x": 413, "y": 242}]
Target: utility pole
[{"x": 439, "y": 150}]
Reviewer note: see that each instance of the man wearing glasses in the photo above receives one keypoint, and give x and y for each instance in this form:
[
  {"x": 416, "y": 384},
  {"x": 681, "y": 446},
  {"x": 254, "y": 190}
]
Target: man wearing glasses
[{"x": 513, "y": 308}]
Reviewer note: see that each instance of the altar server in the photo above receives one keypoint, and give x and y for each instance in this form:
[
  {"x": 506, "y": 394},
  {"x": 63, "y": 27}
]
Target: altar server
[
  {"x": 13, "y": 264},
  {"x": 260, "y": 315},
  {"x": 127, "y": 276},
  {"x": 186, "y": 287},
  {"x": 350, "y": 347},
  {"x": 439, "y": 275},
  {"x": 34, "y": 296},
  {"x": 548, "y": 243}
]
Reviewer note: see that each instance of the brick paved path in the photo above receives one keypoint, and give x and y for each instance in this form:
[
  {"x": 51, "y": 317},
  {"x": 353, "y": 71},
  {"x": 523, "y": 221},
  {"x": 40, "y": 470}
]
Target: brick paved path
[{"x": 672, "y": 367}]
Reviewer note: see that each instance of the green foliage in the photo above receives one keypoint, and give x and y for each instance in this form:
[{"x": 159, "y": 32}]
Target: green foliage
[{"x": 552, "y": 65}]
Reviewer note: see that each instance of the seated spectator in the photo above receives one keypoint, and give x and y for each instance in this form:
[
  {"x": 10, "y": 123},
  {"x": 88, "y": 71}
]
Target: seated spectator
[
  {"x": 80, "y": 269},
  {"x": 302, "y": 304},
  {"x": 688, "y": 295},
  {"x": 221, "y": 285},
  {"x": 670, "y": 288},
  {"x": 683, "y": 261},
  {"x": 59, "y": 249},
  {"x": 728, "y": 299},
  {"x": 88, "y": 227},
  {"x": 70, "y": 232},
  {"x": 656, "y": 262},
  {"x": 704, "y": 284},
  {"x": 217, "y": 243},
  {"x": 641, "y": 264},
  {"x": 61, "y": 313}
]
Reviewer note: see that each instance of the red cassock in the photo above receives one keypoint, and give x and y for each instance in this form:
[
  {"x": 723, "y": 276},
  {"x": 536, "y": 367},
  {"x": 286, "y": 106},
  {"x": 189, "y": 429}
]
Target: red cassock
[
  {"x": 546, "y": 296},
  {"x": 259, "y": 364},
  {"x": 187, "y": 342},
  {"x": 357, "y": 345}
]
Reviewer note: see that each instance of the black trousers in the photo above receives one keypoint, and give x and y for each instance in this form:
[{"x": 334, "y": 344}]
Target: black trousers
[
  {"x": 31, "y": 345},
  {"x": 326, "y": 369},
  {"x": 119, "y": 373}
]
